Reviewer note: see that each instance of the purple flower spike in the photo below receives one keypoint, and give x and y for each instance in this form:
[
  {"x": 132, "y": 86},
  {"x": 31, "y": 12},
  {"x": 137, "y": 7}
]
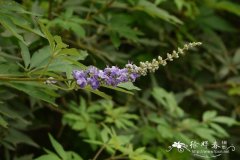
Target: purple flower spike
[
  {"x": 92, "y": 70},
  {"x": 78, "y": 74},
  {"x": 82, "y": 82},
  {"x": 134, "y": 76},
  {"x": 111, "y": 76},
  {"x": 114, "y": 71},
  {"x": 102, "y": 74},
  {"x": 94, "y": 83}
]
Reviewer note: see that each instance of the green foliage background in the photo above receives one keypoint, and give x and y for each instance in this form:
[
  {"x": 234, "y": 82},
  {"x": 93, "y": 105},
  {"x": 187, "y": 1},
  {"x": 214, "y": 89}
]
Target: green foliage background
[{"x": 193, "y": 98}]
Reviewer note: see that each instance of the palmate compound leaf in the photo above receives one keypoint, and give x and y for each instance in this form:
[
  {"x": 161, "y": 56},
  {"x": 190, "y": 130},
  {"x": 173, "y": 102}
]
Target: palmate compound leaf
[
  {"x": 12, "y": 17},
  {"x": 168, "y": 101},
  {"x": 120, "y": 117},
  {"x": 62, "y": 155}
]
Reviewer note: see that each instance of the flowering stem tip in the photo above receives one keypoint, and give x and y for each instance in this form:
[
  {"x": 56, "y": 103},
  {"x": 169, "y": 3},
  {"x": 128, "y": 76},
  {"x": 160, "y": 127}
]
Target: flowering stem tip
[{"x": 112, "y": 76}]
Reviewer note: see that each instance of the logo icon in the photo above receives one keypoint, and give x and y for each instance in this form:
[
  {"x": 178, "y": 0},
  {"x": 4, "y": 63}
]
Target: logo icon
[{"x": 203, "y": 149}]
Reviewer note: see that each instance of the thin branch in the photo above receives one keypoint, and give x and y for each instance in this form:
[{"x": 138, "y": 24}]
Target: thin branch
[
  {"x": 56, "y": 109},
  {"x": 220, "y": 85},
  {"x": 10, "y": 56},
  {"x": 48, "y": 64},
  {"x": 99, "y": 152},
  {"x": 45, "y": 68},
  {"x": 120, "y": 157},
  {"x": 32, "y": 79}
]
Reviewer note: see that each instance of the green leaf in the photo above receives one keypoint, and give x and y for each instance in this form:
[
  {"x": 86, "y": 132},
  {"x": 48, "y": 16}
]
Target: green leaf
[
  {"x": 40, "y": 57},
  {"x": 128, "y": 86},
  {"x": 219, "y": 130},
  {"x": 234, "y": 91},
  {"x": 168, "y": 101},
  {"x": 25, "y": 157},
  {"x": 73, "y": 156},
  {"x": 123, "y": 31},
  {"x": 236, "y": 58},
  {"x": 92, "y": 131},
  {"x": 115, "y": 39},
  {"x": 58, "y": 147},
  {"x": 77, "y": 29},
  {"x": 48, "y": 157},
  {"x": 225, "y": 120},
  {"x": 157, "y": 2},
  {"x": 10, "y": 113},
  {"x": 33, "y": 91},
  {"x": 165, "y": 131},
  {"x": 60, "y": 65},
  {"x": 205, "y": 133},
  {"x": 208, "y": 115},
  {"x": 9, "y": 25},
  {"x": 3, "y": 123},
  {"x": 140, "y": 150},
  {"x": 12, "y": 6},
  {"x": 48, "y": 36},
  {"x": 228, "y": 6},
  {"x": 93, "y": 142},
  {"x": 97, "y": 92},
  {"x": 118, "y": 89},
  {"x": 179, "y": 4},
  {"x": 79, "y": 125},
  {"x": 104, "y": 135},
  {"x": 154, "y": 11},
  {"x": 190, "y": 123},
  {"x": 216, "y": 23},
  {"x": 16, "y": 137},
  {"x": 59, "y": 43},
  {"x": 25, "y": 54},
  {"x": 73, "y": 117},
  {"x": 68, "y": 13}
]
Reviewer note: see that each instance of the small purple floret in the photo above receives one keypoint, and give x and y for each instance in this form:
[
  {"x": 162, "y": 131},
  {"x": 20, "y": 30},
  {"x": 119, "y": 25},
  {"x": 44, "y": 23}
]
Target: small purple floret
[
  {"x": 94, "y": 83},
  {"x": 82, "y": 82}
]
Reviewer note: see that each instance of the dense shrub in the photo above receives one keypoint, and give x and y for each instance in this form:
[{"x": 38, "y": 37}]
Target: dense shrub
[{"x": 49, "y": 112}]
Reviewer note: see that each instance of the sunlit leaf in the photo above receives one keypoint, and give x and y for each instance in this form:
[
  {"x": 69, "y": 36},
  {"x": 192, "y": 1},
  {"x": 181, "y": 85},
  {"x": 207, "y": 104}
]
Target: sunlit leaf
[
  {"x": 58, "y": 147},
  {"x": 48, "y": 157}
]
